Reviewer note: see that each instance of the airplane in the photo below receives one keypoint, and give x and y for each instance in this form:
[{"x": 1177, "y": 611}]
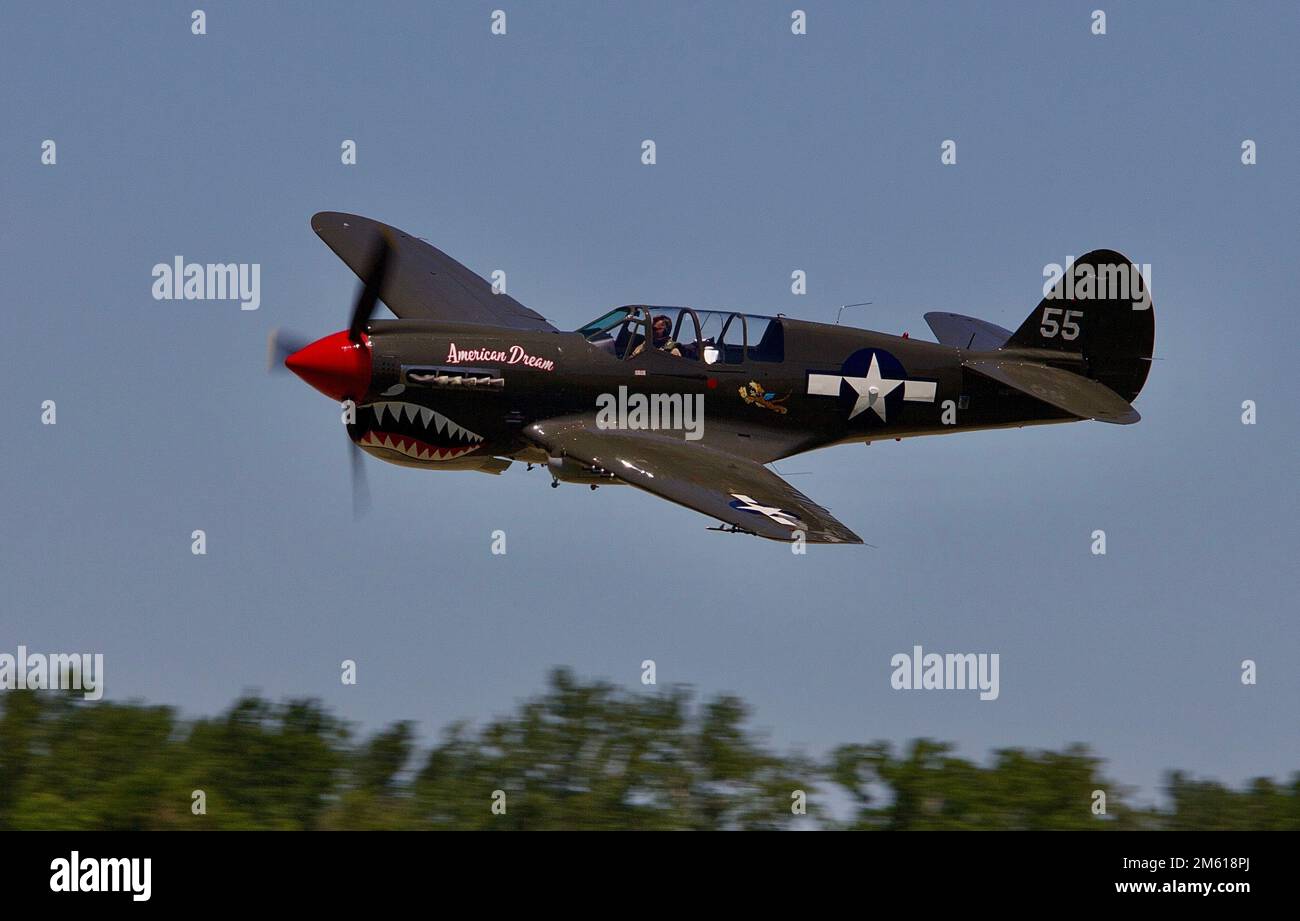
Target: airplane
[{"x": 467, "y": 378}]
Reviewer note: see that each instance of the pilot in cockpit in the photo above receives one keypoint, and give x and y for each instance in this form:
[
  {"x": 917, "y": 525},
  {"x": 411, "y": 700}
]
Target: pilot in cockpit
[{"x": 663, "y": 340}]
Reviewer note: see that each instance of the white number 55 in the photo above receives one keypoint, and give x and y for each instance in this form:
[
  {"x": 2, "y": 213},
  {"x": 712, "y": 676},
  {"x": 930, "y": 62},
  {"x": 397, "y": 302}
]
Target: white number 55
[{"x": 1066, "y": 329}]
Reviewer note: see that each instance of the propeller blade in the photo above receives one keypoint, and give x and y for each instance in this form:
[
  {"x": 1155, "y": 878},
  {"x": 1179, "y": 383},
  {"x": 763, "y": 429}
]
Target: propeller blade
[
  {"x": 360, "y": 485},
  {"x": 279, "y": 346},
  {"x": 373, "y": 288}
]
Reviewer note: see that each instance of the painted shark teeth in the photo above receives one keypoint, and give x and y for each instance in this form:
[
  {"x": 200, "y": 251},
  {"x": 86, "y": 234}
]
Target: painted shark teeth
[
  {"x": 424, "y": 425},
  {"x": 413, "y": 448},
  {"x": 412, "y": 414}
]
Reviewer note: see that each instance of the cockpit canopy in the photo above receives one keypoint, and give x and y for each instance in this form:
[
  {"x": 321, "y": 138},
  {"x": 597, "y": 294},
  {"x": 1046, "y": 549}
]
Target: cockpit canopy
[{"x": 707, "y": 336}]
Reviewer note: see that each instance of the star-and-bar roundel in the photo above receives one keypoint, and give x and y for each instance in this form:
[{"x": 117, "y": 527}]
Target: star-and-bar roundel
[
  {"x": 744, "y": 503},
  {"x": 872, "y": 384}
]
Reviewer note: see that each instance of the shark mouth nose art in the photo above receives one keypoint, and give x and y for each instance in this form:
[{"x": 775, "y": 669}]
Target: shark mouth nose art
[{"x": 417, "y": 432}]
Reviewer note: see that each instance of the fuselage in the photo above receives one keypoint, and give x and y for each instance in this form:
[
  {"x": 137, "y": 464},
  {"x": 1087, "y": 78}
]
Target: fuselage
[{"x": 450, "y": 396}]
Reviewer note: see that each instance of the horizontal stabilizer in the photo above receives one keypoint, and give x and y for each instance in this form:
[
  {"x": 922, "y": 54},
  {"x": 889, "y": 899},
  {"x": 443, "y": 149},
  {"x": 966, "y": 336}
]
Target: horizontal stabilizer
[
  {"x": 1079, "y": 396},
  {"x": 963, "y": 332}
]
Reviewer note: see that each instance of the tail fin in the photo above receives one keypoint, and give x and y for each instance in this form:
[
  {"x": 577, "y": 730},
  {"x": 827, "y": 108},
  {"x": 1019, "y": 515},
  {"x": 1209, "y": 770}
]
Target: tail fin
[{"x": 1100, "y": 309}]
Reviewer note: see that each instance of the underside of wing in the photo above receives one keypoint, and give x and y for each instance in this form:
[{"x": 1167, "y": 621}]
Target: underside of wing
[
  {"x": 964, "y": 332},
  {"x": 423, "y": 282},
  {"x": 737, "y": 491},
  {"x": 1077, "y": 395}
]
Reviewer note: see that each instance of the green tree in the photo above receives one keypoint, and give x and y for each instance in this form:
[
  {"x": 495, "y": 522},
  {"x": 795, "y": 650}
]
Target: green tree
[
  {"x": 580, "y": 755},
  {"x": 585, "y": 756}
]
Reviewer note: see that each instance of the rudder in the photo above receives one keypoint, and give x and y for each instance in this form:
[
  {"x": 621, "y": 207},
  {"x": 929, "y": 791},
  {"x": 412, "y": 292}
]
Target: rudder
[{"x": 1101, "y": 309}]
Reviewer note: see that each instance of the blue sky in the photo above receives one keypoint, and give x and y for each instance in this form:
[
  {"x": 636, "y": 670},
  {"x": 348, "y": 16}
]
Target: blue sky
[{"x": 775, "y": 153}]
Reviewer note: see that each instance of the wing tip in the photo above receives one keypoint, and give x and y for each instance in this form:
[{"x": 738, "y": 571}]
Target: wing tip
[
  {"x": 322, "y": 221},
  {"x": 842, "y": 536},
  {"x": 1126, "y": 418},
  {"x": 851, "y": 538},
  {"x": 321, "y": 218}
]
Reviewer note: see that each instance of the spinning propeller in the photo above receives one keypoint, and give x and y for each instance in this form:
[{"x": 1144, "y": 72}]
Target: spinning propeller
[{"x": 339, "y": 364}]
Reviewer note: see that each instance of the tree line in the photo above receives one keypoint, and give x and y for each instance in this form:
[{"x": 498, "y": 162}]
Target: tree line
[{"x": 579, "y": 755}]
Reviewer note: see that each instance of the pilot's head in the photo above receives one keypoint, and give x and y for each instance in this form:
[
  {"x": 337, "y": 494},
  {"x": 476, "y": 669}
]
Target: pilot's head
[{"x": 662, "y": 327}]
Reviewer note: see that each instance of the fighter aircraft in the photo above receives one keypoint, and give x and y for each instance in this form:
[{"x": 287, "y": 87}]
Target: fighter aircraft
[{"x": 691, "y": 404}]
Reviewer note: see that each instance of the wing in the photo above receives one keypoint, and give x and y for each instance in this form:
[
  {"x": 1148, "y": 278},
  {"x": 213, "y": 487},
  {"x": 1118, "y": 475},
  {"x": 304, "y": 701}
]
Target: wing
[
  {"x": 423, "y": 282},
  {"x": 1079, "y": 396},
  {"x": 732, "y": 489},
  {"x": 967, "y": 332}
]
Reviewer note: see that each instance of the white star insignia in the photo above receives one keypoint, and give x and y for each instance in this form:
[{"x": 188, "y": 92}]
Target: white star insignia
[
  {"x": 776, "y": 513},
  {"x": 871, "y": 390}
]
